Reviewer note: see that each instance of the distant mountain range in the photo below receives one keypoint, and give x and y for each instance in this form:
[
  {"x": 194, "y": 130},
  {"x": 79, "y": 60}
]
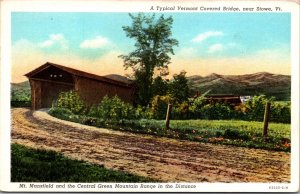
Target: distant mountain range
[
  {"x": 249, "y": 84},
  {"x": 243, "y": 85},
  {"x": 119, "y": 78},
  {"x": 21, "y": 86}
]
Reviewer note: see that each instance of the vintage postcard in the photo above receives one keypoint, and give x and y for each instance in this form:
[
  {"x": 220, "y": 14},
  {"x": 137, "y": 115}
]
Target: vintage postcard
[{"x": 149, "y": 96}]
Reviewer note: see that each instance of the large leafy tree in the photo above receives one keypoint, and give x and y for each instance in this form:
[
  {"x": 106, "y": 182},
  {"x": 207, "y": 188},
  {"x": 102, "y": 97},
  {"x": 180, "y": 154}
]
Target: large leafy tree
[
  {"x": 159, "y": 86},
  {"x": 153, "y": 45},
  {"x": 179, "y": 88}
]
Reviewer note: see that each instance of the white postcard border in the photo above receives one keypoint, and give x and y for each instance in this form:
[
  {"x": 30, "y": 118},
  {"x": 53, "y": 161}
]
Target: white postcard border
[{"x": 7, "y": 7}]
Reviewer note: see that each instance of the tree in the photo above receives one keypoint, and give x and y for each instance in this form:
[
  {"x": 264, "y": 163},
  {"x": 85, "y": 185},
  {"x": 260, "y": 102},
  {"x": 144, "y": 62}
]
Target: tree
[
  {"x": 178, "y": 88},
  {"x": 153, "y": 47},
  {"x": 159, "y": 86}
]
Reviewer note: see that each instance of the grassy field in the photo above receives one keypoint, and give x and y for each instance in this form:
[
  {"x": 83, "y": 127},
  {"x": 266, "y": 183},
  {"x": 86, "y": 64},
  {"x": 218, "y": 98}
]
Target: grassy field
[
  {"x": 31, "y": 165},
  {"x": 252, "y": 127}
]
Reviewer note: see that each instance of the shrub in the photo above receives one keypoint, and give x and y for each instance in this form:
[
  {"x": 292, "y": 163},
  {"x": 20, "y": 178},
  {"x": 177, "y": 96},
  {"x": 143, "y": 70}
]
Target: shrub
[
  {"x": 198, "y": 103},
  {"x": 216, "y": 111},
  {"x": 200, "y": 108},
  {"x": 181, "y": 111},
  {"x": 70, "y": 100},
  {"x": 61, "y": 113},
  {"x": 20, "y": 95},
  {"x": 112, "y": 109},
  {"x": 159, "y": 105},
  {"x": 280, "y": 112},
  {"x": 239, "y": 112},
  {"x": 255, "y": 108},
  {"x": 231, "y": 134},
  {"x": 20, "y": 98},
  {"x": 20, "y": 103},
  {"x": 218, "y": 134},
  {"x": 143, "y": 112}
]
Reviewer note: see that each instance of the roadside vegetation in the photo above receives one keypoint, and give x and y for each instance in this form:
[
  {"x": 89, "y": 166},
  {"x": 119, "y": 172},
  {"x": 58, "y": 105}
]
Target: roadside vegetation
[
  {"x": 20, "y": 95},
  {"x": 115, "y": 114},
  {"x": 35, "y": 165}
]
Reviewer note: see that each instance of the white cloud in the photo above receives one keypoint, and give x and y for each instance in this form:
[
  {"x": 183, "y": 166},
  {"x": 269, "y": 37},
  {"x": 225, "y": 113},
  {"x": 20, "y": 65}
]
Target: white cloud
[
  {"x": 203, "y": 36},
  {"x": 98, "y": 42},
  {"x": 47, "y": 43},
  {"x": 57, "y": 37},
  {"x": 215, "y": 48},
  {"x": 55, "y": 40}
]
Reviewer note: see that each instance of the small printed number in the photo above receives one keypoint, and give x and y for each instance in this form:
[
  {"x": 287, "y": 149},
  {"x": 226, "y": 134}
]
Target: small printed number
[{"x": 278, "y": 187}]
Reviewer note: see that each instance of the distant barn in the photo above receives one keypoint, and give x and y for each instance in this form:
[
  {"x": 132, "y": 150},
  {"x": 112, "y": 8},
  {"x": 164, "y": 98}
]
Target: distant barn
[
  {"x": 226, "y": 99},
  {"x": 222, "y": 98},
  {"x": 50, "y": 79}
]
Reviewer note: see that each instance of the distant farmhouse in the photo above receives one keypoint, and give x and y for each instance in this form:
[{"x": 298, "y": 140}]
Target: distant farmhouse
[
  {"x": 50, "y": 79},
  {"x": 229, "y": 99}
]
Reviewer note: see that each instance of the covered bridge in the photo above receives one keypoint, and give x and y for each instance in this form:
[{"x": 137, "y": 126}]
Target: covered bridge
[{"x": 50, "y": 79}]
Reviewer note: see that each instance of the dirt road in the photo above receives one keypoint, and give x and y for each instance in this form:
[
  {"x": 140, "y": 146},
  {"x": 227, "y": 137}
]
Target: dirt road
[{"x": 161, "y": 158}]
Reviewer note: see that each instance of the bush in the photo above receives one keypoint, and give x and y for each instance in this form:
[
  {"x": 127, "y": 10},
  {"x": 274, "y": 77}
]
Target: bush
[
  {"x": 159, "y": 106},
  {"x": 252, "y": 110},
  {"x": 70, "y": 100},
  {"x": 255, "y": 108},
  {"x": 143, "y": 112},
  {"x": 280, "y": 112},
  {"x": 20, "y": 103},
  {"x": 216, "y": 111},
  {"x": 62, "y": 113},
  {"x": 112, "y": 109},
  {"x": 20, "y": 95},
  {"x": 20, "y": 98},
  {"x": 231, "y": 134},
  {"x": 181, "y": 111},
  {"x": 198, "y": 103}
]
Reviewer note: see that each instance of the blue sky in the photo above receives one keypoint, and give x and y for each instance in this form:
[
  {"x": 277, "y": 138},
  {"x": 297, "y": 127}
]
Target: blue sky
[{"x": 224, "y": 43}]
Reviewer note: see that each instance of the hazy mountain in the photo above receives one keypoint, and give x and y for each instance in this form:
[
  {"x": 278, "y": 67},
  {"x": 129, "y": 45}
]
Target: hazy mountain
[
  {"x": 249, "y": 84},
  {"x": 22, "y": 85},
  {"x": 119, "y": 78}
]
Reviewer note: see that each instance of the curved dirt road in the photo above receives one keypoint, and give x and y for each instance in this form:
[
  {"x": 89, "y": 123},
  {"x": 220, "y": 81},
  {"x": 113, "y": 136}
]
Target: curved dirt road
[{"x": 164, "y": 159}]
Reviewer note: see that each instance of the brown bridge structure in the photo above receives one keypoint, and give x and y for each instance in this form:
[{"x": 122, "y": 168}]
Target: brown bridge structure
[{"x": 49, "y": 80}]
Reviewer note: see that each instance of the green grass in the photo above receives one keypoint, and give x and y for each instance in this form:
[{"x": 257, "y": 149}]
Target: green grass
[
  {"x": 253, "y": 127},
  {"x": 36, "y": 165}
]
